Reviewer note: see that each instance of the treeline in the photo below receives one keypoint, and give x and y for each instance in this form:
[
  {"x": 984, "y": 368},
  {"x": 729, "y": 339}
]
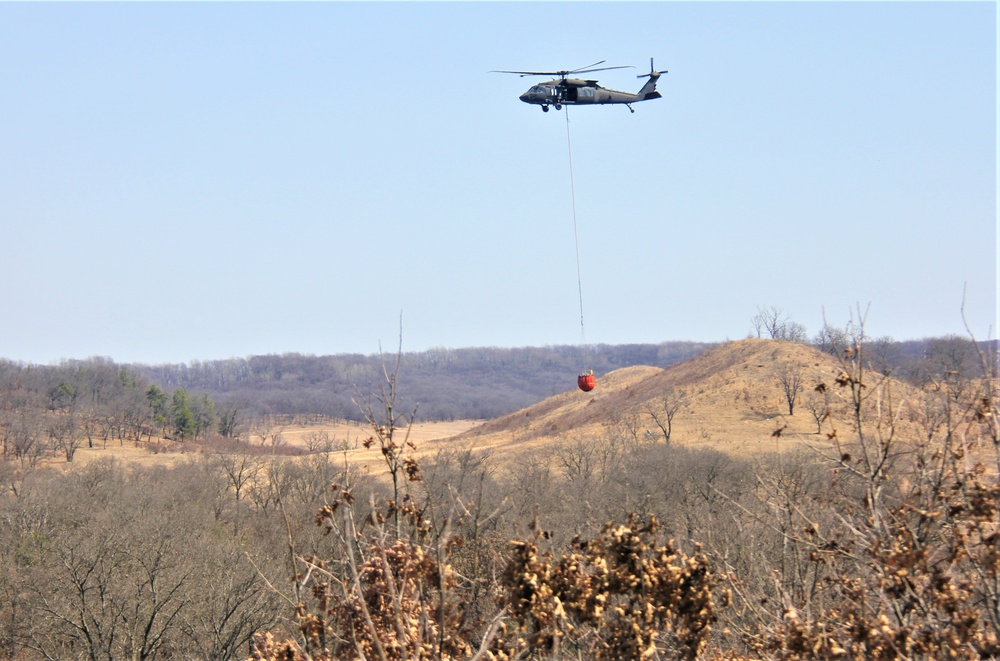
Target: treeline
[
  {"x": 478, "y": 383},
  {"x": 58, "y": 409},
  {"x": 440, "y": 384}
]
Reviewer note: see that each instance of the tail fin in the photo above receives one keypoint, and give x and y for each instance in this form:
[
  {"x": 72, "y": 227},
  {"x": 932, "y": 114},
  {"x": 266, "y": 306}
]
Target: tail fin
[{"x": 648, "y": 90}]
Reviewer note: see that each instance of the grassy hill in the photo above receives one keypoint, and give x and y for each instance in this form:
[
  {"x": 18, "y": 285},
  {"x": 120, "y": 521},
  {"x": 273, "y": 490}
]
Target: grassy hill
[{"x": 732, "y": 397}]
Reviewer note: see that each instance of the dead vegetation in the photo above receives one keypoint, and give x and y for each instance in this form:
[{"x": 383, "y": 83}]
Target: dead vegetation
[
  {"x": 675, "y": 514},
  {"x": 877, "y": 538}
]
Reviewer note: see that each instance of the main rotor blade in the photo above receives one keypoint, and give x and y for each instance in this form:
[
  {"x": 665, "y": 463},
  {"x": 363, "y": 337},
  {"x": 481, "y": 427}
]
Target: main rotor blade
[
  {"x": 600, "y": 69},
  {"x": 563, "y": 74},
  {"x": 581, "y": 69},
  {"x": 530, "y": 73}
]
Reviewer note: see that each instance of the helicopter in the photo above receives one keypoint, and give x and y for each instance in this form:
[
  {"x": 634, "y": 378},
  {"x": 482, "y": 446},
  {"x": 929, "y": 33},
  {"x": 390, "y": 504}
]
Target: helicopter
[{"x": 565, "y": 90}]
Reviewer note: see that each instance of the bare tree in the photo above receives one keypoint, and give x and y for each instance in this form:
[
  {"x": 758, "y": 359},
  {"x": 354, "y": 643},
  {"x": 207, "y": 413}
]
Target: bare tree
[
  {"x": 664, "y": 409},
  {"x": 25, "y": 437},
  {"x": 790, "y": 379},
  {"x": 905, "y": 535},
  {"x": 577, "y": 458},
  {"x": 320, "y": 441},
  {"x": 267, "y": 429},
  {"x": 230, "y": 606},
  {"x": 831, "y": 340},
  {"x": 64, "y": 432},
  {"x": 772, "y": 322},
  {"x": 113, "y": 591},
  {"x": 379, "y": 410},
  {"x": 627, "y": 422},
  {"x": 240, "y": 468},
  {"x": 818, "y": 404}
]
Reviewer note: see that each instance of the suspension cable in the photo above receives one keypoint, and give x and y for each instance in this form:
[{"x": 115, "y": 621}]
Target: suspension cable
[{"x": 576, "y": 234}]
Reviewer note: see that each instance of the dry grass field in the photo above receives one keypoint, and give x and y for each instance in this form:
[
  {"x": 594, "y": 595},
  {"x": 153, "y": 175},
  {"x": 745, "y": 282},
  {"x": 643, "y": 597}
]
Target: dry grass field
[
  {"x": 730, "y": 398},
  {"x": 346, "y": 437}
]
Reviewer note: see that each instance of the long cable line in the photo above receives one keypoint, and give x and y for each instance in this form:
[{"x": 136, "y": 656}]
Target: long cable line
[{"x": 576, "y": 234}]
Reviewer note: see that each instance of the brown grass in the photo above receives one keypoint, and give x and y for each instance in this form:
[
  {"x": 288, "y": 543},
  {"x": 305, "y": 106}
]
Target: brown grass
[{"x": 733, "y": 403}]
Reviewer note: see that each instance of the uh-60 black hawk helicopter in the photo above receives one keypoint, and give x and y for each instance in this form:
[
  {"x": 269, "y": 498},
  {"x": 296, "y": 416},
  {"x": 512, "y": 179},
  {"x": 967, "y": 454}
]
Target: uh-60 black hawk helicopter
[{"x": 576, "y": 91}]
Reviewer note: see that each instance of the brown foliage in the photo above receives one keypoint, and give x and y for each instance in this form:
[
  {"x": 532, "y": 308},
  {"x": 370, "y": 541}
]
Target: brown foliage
[{"x": 622, "y": 595}]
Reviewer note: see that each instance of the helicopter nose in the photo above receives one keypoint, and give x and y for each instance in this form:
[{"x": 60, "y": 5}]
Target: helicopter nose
[{"x": 525, "y": 97}]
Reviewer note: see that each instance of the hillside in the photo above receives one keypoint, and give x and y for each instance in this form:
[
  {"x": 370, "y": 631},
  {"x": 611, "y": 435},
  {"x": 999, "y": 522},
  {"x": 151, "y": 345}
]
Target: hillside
[{"x": 729, "y": 397}]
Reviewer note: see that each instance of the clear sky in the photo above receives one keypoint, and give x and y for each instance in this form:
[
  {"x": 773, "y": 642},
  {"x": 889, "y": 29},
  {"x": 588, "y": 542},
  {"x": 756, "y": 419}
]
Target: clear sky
[{"x": 184, "y": 181}]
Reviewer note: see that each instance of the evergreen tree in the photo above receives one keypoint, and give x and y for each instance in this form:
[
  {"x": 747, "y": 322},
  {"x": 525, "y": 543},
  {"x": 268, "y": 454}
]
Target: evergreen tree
[
  {"x": 185, "y": 422},
  {"x": 158, "y": 403}
]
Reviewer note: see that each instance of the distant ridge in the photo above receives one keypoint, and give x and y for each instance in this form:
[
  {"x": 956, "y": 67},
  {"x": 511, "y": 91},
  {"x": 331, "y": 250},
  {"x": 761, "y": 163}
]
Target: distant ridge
[{"x": 440, "y": 384}]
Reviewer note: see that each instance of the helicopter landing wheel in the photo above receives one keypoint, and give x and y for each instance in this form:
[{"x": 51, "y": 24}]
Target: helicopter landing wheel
[
  {"x": 545, "y": 108},
  {"x": 558, "y": 107}
]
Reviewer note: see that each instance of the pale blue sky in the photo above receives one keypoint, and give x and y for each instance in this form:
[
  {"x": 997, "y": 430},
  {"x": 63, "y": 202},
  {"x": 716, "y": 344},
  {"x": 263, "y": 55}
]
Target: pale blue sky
[{"x": 199, "y": 181}]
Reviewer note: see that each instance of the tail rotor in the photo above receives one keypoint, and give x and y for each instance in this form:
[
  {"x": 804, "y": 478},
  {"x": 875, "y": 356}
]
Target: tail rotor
[{"x": 653, "y": 73}]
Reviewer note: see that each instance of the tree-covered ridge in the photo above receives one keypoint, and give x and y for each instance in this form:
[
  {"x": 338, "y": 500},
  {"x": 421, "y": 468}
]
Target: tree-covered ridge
[
  {"x": 485, "y": 382},
  {"x": 443, "y": 384}
]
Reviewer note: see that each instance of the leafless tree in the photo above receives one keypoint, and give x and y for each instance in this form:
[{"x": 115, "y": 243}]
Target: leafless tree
[
  {"x": 267, "y": 429},
  {"x": 319, "y": 441},
  {"x": 772, "y": 322},
  {"x": 577, "y": 459},
  {"x": 627, "y": 423},
  {"x": 241, "y": 469},
  {"x": 831, "y": 340},
  {"x": 818, "y": 404},
  {"x": 790, "y": 378},
  {"x": 231, "y": 604},
  {"x": 379, "y": 411},
  {"x": 664, "y": 409},
  {"x": 113, "y": 591},
  {"x": 25, "y": 436},
  {"x": 64, "y": 432},
  {"x": 904, "y": 535}
]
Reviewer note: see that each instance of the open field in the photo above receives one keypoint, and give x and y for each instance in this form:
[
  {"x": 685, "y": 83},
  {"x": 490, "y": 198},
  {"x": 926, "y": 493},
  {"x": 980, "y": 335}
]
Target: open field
[
  {"x": 343, "y": 436},
  {"x": 732, "y": 398}
]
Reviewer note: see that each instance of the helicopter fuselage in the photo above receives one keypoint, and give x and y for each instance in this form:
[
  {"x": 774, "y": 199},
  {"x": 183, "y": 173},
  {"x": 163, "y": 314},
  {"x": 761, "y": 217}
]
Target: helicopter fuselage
[
  {"x": 563, "y": 92},
  {"x": 576, "y": 91},
  {"x": 573, "y": 91}
]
